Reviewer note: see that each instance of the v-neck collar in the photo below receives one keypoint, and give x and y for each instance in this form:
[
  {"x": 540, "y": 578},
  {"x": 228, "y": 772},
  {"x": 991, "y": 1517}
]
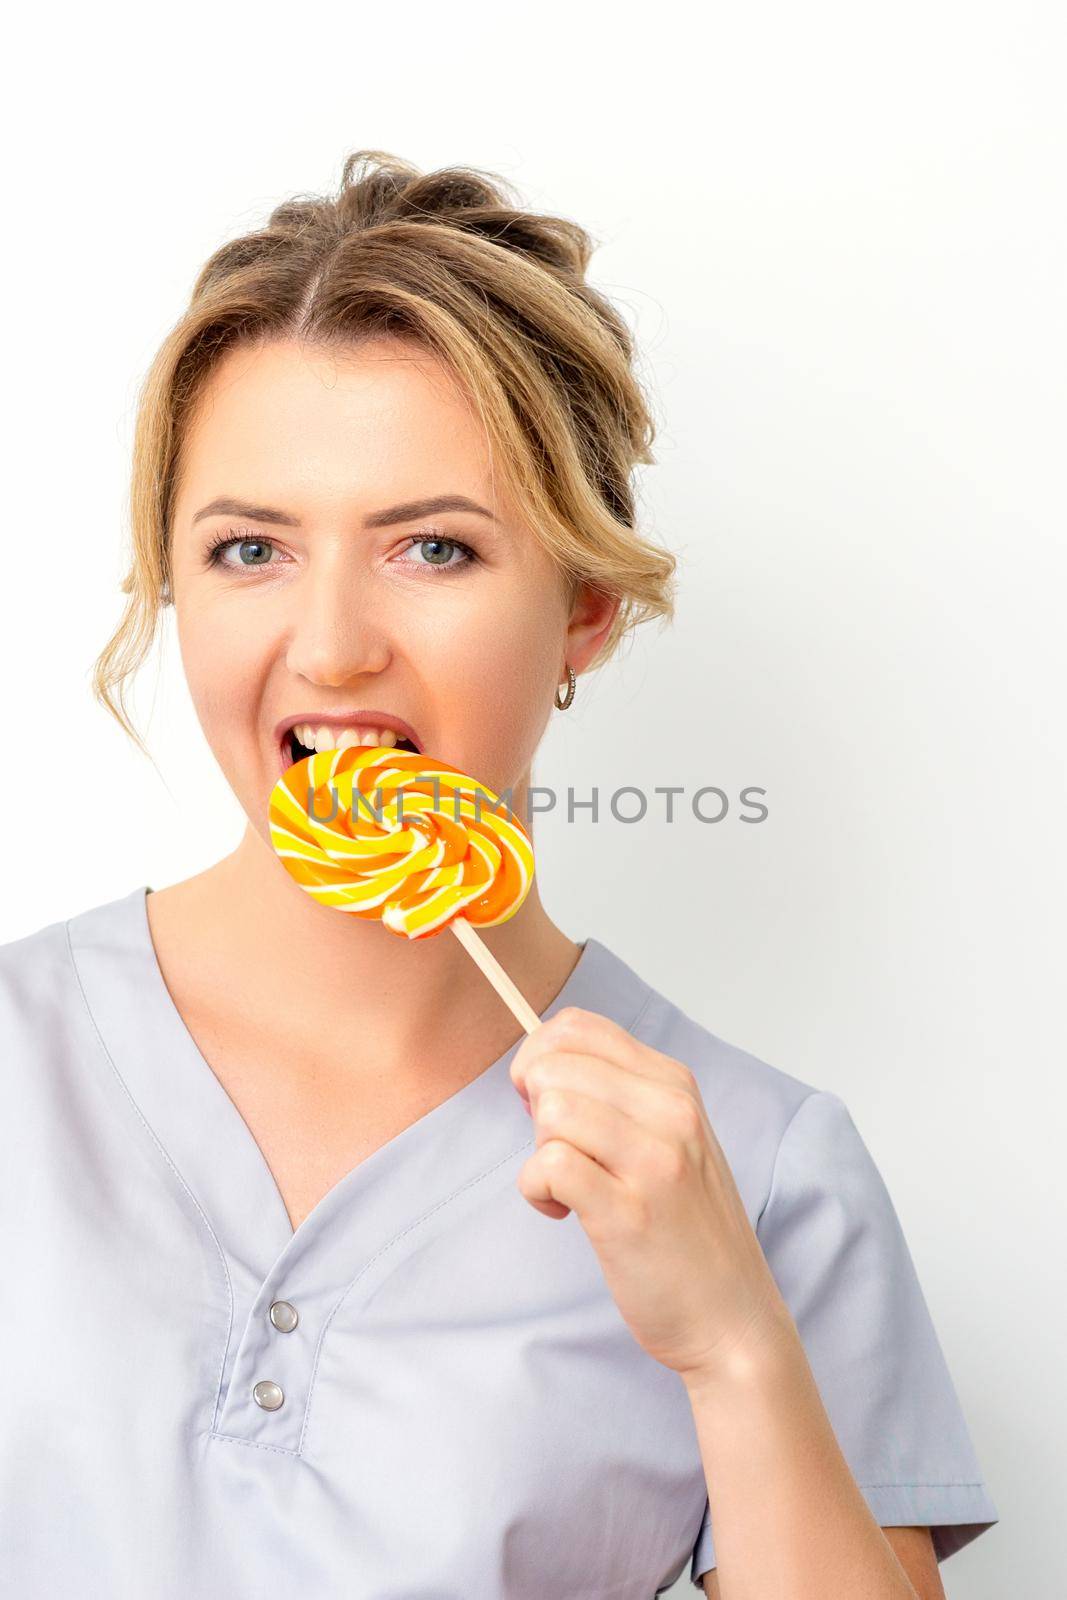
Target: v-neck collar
[
  {"x": 453, "y": 1158},
  {"x": 209, "y": 1141}
]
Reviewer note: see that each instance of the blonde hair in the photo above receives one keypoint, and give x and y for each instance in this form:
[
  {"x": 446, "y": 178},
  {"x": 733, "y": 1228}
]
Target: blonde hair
[{"x": 448, "y": 260}]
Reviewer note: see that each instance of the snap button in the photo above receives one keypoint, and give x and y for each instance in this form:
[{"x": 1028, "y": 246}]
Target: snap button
[
  {"x": 283, "y": 1315},
  {"x": 268, "y": 1395}
]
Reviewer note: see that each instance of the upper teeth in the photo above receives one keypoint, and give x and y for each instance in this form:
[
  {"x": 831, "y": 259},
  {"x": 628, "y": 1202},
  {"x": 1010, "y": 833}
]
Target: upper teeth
[{"x": 327, "y": 738}]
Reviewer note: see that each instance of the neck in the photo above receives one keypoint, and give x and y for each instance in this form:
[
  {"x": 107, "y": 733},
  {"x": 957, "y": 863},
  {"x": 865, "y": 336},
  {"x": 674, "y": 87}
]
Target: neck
[{"x": 280, "y": 957}]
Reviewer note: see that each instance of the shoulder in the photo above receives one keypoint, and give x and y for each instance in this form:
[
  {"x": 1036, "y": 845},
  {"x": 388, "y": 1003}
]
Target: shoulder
[
  {"x": 33, "y": 968},
  {"x": 40, "y": 1032},
  {"x": 40, "y": 981}
]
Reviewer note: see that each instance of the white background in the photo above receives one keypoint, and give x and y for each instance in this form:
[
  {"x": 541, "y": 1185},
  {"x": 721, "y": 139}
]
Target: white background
[{"x": 838, "y": 232}]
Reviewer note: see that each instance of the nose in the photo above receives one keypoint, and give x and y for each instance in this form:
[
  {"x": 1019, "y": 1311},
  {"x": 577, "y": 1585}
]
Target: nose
[{"x": 333, "y": 637}]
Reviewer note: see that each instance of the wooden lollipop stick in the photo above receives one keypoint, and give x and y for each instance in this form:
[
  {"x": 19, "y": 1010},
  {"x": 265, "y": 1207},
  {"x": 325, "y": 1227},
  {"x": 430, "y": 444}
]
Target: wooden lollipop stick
[{"x": 475, "y": 947}]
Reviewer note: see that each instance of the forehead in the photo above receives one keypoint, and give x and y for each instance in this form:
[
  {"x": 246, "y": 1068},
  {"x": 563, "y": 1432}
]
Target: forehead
[{"x": 294, "y": 419}]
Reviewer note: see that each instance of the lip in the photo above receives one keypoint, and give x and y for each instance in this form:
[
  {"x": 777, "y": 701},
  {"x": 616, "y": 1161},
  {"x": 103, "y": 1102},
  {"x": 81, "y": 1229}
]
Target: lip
[{"x": 342, "y": 719}]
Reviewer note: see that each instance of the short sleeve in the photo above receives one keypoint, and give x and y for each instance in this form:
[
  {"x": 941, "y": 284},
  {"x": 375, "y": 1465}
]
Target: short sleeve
[{"x": 838, "y": 1253}]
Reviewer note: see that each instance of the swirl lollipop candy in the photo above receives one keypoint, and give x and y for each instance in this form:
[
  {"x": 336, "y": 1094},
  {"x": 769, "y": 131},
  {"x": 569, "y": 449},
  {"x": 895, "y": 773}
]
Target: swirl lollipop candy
[{"x": 398, "y": 837}]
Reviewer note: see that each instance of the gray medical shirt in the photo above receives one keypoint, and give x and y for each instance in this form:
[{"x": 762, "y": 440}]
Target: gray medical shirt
[{"x": 425, "y": 1392}]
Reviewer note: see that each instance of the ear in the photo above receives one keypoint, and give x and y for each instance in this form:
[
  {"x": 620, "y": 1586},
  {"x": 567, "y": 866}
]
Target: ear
[{"x": 592, "y": 615}]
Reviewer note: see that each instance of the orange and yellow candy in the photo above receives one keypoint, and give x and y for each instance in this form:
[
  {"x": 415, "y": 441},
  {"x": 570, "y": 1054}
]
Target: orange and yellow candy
[{"x": 439, "y": 852}]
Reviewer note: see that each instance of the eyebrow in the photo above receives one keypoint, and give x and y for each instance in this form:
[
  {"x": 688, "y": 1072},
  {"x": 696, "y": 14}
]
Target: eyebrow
[{"x": 408, "y": 511}]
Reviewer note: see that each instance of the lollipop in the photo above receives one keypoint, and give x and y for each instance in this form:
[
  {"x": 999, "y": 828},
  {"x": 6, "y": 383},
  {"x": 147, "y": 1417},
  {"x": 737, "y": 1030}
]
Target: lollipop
[{"x": 400, "y": 838}]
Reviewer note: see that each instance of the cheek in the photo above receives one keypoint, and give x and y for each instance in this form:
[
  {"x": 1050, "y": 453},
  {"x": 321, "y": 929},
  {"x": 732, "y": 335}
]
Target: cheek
[
  {"x": 222, "y": 667},
  {"x": 493, "y": 680}
]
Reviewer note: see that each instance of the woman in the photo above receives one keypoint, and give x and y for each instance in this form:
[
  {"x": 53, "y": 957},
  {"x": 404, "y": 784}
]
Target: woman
[{"x": 301, "y": 1303}]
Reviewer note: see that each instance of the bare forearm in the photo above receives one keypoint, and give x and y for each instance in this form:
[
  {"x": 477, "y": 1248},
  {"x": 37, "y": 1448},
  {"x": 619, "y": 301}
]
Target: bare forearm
[{"x": 788, "y": 1518}]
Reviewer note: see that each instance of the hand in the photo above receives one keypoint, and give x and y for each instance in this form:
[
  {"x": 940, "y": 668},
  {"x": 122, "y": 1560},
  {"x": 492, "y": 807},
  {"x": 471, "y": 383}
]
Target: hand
[{"x": 624, "y": 1141}]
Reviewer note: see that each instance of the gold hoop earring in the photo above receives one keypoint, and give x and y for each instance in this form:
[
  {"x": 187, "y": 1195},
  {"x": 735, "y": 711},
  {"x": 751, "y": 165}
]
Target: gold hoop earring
[{"x": 561, "y": 705}]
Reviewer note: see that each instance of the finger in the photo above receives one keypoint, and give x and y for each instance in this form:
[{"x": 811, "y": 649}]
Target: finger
[
  {"x": 589, "y": 1033},
  {"x": 559, "y": 1176},
  {"x": 662, "y": 1108},
  {"x": 625, "y": 1148}
]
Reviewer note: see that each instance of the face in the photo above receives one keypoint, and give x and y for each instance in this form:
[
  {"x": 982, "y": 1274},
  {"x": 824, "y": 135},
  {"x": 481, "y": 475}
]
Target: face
[{"x": 332, "y": 593}]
